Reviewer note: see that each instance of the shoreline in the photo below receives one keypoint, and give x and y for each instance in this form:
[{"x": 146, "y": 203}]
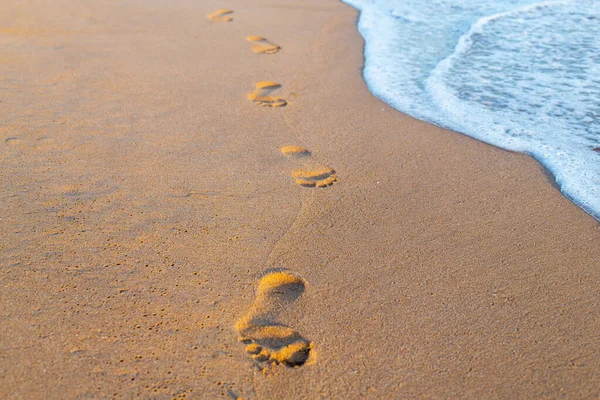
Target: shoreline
[
  {"x": 146, "y": 196},
  {"x": 395, "y": 58}
]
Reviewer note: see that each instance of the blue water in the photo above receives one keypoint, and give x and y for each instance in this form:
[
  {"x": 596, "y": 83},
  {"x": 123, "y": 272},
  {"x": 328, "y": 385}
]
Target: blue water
[{"x": 518, "y": 74}]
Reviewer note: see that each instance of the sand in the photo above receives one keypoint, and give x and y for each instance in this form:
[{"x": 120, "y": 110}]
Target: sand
[{"x": 152, "y": 215}]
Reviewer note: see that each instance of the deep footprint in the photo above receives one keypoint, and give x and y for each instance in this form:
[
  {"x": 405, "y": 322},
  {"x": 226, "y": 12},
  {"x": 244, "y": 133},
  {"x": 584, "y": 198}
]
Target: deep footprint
[
  {"x": 261, "y": 95},
  {"x": 221, "y": 16},
  {"x": 266, "y": 340},
  {"x": 260, "y": 45},
  {"x": 309, "y": 174}
]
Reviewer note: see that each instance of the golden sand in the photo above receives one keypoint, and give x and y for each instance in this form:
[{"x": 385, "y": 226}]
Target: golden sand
[{"x": 143, "y": 198}]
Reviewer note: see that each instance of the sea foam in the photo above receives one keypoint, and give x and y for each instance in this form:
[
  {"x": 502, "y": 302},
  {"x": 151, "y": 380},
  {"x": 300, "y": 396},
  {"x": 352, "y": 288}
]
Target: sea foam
[{"x": 520, "y": 75}]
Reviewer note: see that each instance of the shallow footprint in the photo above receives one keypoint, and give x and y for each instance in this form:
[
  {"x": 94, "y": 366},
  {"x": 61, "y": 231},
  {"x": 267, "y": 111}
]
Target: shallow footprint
[
  {"x": 221, "y": 16},
  {"x": 311, "y": 177},
  {"x": 260, "y": 45},
  {"x": 267, "y": 340},
  {"x": 261, "y": 95},
  {"x": 309, "y": 173},
  {"x": 294, "y": 151}
]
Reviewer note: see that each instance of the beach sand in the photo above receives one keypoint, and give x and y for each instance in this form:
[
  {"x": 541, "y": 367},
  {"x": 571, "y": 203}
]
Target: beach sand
[{"x": 146, "y": 202}]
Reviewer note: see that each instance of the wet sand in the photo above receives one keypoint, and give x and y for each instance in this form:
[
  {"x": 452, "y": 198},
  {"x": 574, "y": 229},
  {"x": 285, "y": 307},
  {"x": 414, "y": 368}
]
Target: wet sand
[{"x": 146, "y": 197}]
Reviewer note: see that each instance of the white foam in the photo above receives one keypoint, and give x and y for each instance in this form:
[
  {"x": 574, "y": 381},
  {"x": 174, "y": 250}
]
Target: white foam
[{"x": 521, "y": 75}]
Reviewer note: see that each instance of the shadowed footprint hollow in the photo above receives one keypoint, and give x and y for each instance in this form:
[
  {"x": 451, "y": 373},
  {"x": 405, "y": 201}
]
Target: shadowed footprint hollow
[
  {"x": 266, "y": 340},
  {"x": 309, "y": 173},
  {"x": 221, "y": 16},
  {"x": 260, "y": 45},
  {"x": 262, "y": 95}
]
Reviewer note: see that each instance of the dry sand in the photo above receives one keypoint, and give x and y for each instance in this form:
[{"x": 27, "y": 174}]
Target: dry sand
[{"x": 144, "y": 195}]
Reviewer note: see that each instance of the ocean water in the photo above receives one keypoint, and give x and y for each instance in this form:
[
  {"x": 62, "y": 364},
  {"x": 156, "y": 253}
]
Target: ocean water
[{"x": 521, "y": 75}]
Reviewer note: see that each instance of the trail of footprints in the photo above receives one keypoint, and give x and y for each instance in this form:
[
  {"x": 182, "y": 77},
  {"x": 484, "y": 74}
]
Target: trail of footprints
[{"x": 267, "y": 340}]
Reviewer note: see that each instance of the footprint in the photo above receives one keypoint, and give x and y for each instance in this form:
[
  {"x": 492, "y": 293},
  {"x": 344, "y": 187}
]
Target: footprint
[
  {"x": 221, "y": 16},
  {"x": 294, "y": 151},
  {"x": 309, "y": 173},
  {"x": 260, "y": 45},
  {"x": 266, "y": 339},
  {"x": 319, "y": 177},
  {"x": 260, "y": 95}
]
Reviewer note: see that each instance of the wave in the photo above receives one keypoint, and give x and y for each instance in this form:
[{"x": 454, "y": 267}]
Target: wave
[{"x": 521, "y": 75}]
